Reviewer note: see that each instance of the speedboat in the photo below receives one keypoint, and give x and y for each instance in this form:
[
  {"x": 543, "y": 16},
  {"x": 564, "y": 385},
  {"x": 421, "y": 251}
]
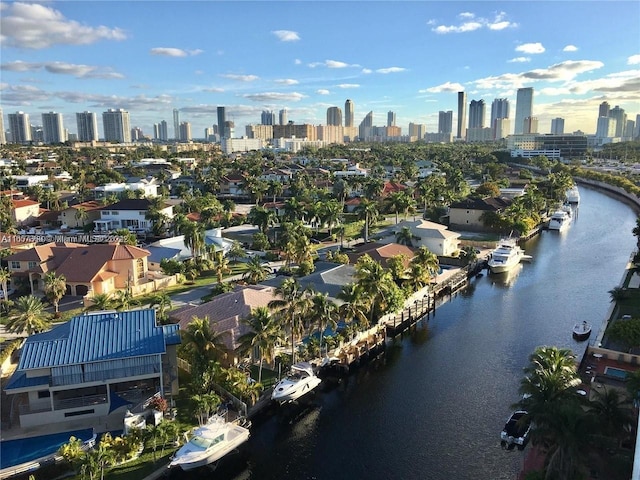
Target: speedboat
[
  {"x": 573, "y": 195},
  {"x": 506, "y": 256},
  {"x": 517, "y": 429},
  {"x": 560, "y": 220},
  {"x": 300, "y": 381},
  {"x": 582, "y": 330},
  {"x": 210, "y": 443}
]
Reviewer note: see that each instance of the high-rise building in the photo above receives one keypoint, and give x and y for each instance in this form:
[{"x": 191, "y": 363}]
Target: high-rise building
[
  {"x": 501, "y": 128},
  {"x": 629, "y": 130},
  {"x": 283, "y": 117},
  {"x": 19, "y": 127},
  {"x": 161, "y": 132},
  {"x": 499, "y": 109},
  {"x": 116, "y": 126},
  {"x": 349, "y": 113},
  {"x": 462, "y": 115},
  {"x": 53, "y": 128},
  {"x": 87, "y": 124},
  {"x": 267, "y": 117},
  {"x": 136, "y": 134},
  {"x": 636, "y": 134},
  {"x": 530, "y": 125},
  {"x": 176, "y": 124},
  {"x": 417, "y": 130},
  {"x": 391, "y": 119},
  {"x": 364, "y": 130},
  {"x": 185, "y": 132},
  {"x": 334, "y": 116},
  {"x": 606, "y": 127},
  {"x": 3, "y": 138},
  {"x": 557, "y": 126},
  {"x": 222, "y": 119},
  {"x": 621, "y": 120},
  {"x": 477, "y": 113},
  {"x": 445, "y": 121},
  {"x": 603, "y": 111},
  {"x": 524, "y": 108}
]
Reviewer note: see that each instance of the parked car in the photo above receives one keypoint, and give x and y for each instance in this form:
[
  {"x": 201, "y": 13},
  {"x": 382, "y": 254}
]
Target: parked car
[{"x": 517, "y": 429}]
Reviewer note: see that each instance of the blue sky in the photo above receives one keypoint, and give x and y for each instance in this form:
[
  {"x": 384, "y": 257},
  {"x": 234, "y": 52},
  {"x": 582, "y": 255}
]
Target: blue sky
[{"x": 150, "y": 57}]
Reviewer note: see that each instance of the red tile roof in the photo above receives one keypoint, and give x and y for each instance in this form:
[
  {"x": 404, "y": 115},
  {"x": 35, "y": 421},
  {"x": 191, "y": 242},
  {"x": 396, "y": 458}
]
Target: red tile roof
[{"x": 23, "y": 203}]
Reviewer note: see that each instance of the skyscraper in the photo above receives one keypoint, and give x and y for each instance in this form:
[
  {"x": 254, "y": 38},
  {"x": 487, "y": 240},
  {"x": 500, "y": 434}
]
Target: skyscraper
[
  {"x": 477, "y": 112},
  {"x": 445, "y": 121},
  {"x": 606, "y": 127},
  {"x": 185, "y": 131},
  {"x": 222, "y": 119},
  {"x": 334, "y": 116},
  {"x": 530, "y": 125},
  {"x": 87, "y": 127},
  {"x": 391, "y": 119},
  {"x": 176, "y": 124},
  {"x": 366, "y": 126},
  {"x": 116, "y": 126},
  {"x": 524, "y": 108},
  {"x": 163, "y": 131},
  {"x": 283, "y": 117},
  {"x": 267, "y": 117},
  {"x": 603, "y": 111},
  {"x": 19, "y": 127},
  {"x": 462, "y": 115},
  {"x": 348, "y": 113},
  {"x": 621, "y": 120},
  {"x": 53, "y": 128},
  {"x": 557, "y": 126},
  {"x": 3, "y": 138},
  {"x": 499, "y": 109}
]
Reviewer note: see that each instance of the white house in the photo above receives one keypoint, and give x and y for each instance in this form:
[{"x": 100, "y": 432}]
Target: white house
[
  {"x": 174, "y": 248},
  {"x": 435, "y": 236},
  {"x": 148, "y": 187},
  {"x": 130, "y": 214}
]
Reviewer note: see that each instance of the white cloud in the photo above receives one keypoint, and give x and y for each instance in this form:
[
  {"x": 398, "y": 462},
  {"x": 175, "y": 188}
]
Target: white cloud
[
  {"x": 570, "y": 48},
  {"x": 367, "y": 71},
  {"x": 472, "y": 23},
  {"x": 391, "y": 70},
  {"x": 627, "y": 82},
  {"x": 520, "y": 60},
  {"x": 554, "y": 91},
  {"x": 35, "y": 26},
  {"x": 62, "y": 68},
  {"x": 323, "y": 91},
  {"x": 286, "y": 35},
  {"x": 445, "y": 87},
  {"x": 530, "y": 48},
  {"x": 297, "y": 61},
  {"x": 287, "y": 81},
  {"x": 174, "y": 52},
  {"x": 633, "y": 60},
  {"x": 241, "y": 78},
  {"x": 348, "y": 85},
  {"x": 275, "y": 96},
  {"x": 213, "y": 90},
  {"x": 332, "y": 64}
]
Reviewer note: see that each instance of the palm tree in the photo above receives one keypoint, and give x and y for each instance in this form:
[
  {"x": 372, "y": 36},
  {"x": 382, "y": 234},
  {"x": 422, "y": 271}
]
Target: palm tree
[
  {"x": 611, "y": 411},
  {"x": 194, "y": 238},
  {"x": 256, "y": 271},
  {"x": 262, "y": 218},
  {"x": 378, "y": 285},
  {"x": 5, "y": 276},
  {"x": 323, "y": 313},
  {"x": 29, "y": 316},
  {"x": 367, "y": 211},
  {"x": 55, "y": 286},
  {"x": 265, "y": 334},
  {"x": 636, "y": 231},
  {"x": 292, "y": 304},
  {"x": 202, "y": 345},
  {"x": 405, "y": 237},
  {"x": 101, "y": 301},
  {"x": 163, "y": 303},
  {"x": 221, "y": 265},
  {"x": 356, "y": 305},
  {"x": 397, "y": 202},
  {"x": 428, "y": 260},
  {"x": 124, "y": 299}
]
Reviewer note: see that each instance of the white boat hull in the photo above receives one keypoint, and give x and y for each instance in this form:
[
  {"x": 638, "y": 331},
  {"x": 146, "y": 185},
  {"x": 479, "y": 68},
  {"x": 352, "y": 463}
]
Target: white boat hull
[{"x": 288, "y": 392}]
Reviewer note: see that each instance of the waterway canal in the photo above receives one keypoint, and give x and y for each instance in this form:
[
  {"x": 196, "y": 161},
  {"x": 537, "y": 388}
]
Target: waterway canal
[{"x": 434, "y": 406}]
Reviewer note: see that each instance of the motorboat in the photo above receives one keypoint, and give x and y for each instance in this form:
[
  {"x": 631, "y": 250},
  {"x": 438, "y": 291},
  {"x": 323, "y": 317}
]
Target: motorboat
[
  {"x": 300, "y": 381},
  {"x": 573, "y": 195},
  {"x": 209, "y": 443},
  {"x": 582, "y": 330},
  {"x": 560, "y": 220},
  {"x": 505, "y": 256},
  {"x": 517, "y": 429}
]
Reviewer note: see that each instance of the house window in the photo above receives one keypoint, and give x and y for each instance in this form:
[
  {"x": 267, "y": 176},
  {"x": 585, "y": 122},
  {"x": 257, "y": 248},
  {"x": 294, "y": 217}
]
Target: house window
[
  {"x": 140, "y": 267},
  {"x": 15, "y": 265},
  {"x": 44, "y": 394},
  {"x": 142, "y": 213},
  {"x": 33, "y": 264},
  {"x": 115, "y": 213}
]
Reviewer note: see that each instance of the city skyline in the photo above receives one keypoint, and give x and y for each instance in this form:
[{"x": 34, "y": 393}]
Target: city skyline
[{"x": 72, "y": 57}]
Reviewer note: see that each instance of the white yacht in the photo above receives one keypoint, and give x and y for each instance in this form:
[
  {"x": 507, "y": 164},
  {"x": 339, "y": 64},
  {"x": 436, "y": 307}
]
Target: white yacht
[
  {"x": 573, "y": 195},
  {"x": 210, "y": 443},
  {"x": 300, "y": 380},
  {"x": 560, "y": 220},
  {"x": 507, "y": 255}
]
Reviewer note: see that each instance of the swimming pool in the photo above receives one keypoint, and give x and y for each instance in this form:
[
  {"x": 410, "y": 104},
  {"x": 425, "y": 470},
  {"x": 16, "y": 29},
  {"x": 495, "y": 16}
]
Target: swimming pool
[
  {"x": 617, "y": 373},
  {"x": 16, "y": 452}
]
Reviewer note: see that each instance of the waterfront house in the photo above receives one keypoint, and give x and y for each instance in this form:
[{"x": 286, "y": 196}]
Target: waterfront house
[
  {"x": 80, "y": 214},
  {"x": 130, "y": 214},
  {"x": 97, "y": 268},
  {"x": 434, "y": 236},
  {"x": 94, "y": 366},
  {"x": 467, "y": 214},
  {"x": 381, "y": 252},
  {"x": 24, "y": 212},
  {"x": 174, "y": 248}
]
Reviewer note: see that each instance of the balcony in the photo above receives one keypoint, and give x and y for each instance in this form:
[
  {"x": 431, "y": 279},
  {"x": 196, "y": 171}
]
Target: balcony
[{"x": 84, "y": 401}]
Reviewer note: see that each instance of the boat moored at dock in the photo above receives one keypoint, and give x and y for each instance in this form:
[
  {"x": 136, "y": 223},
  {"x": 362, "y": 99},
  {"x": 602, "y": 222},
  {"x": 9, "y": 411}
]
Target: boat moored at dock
[
  {"x": 560, "y": 220},
  {"x": 300, "y": 381},
  {"x": 506, "y": 256},
  {"x": 582, "y": 330}
]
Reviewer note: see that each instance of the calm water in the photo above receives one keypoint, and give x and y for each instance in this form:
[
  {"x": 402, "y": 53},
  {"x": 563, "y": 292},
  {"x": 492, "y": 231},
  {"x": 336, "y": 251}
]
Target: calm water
[{"x": 434, "y": 406}]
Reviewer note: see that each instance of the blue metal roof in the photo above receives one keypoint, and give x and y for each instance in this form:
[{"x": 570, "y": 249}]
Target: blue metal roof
[
  {"x": 96, "y": 337},
  {"x": 20, "y": 380}
]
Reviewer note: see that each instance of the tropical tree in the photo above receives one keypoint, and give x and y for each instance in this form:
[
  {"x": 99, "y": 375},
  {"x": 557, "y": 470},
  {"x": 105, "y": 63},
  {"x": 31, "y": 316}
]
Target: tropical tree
[
  {"x": 428, "y": 260},
  {"x": 29, "y": 316},
  {"x": 194, "y": 238},
  {"x": 406, "y": 237},
  {"x": 612, "y": 411},
  {"x": 101, "y": 301},
  {"x": 355, "y": 306},
  {"x": 377, "y": 284},
  {"x": 5, "y": 277},
  {"x": 162, "y": 303},
  {"x": 123, "y": 299},
  {"x": 323, "y": 313},
  {"x": 237, "y": 251},
  {"x": 292, "y": 305},
  {"x": 367, "y": 211},
  {"x": 262, "y": 218},
  {"x": 221, "y": 265},
  {"x": 256, "y": 271},
  {"x": 202, "y": 345},
  {"x": 55, "y": 286},
  {"x": 264, "y": 334}
]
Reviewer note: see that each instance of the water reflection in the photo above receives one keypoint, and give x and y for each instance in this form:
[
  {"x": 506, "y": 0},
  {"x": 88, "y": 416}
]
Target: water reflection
[{"x": 506, "y": 279}]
